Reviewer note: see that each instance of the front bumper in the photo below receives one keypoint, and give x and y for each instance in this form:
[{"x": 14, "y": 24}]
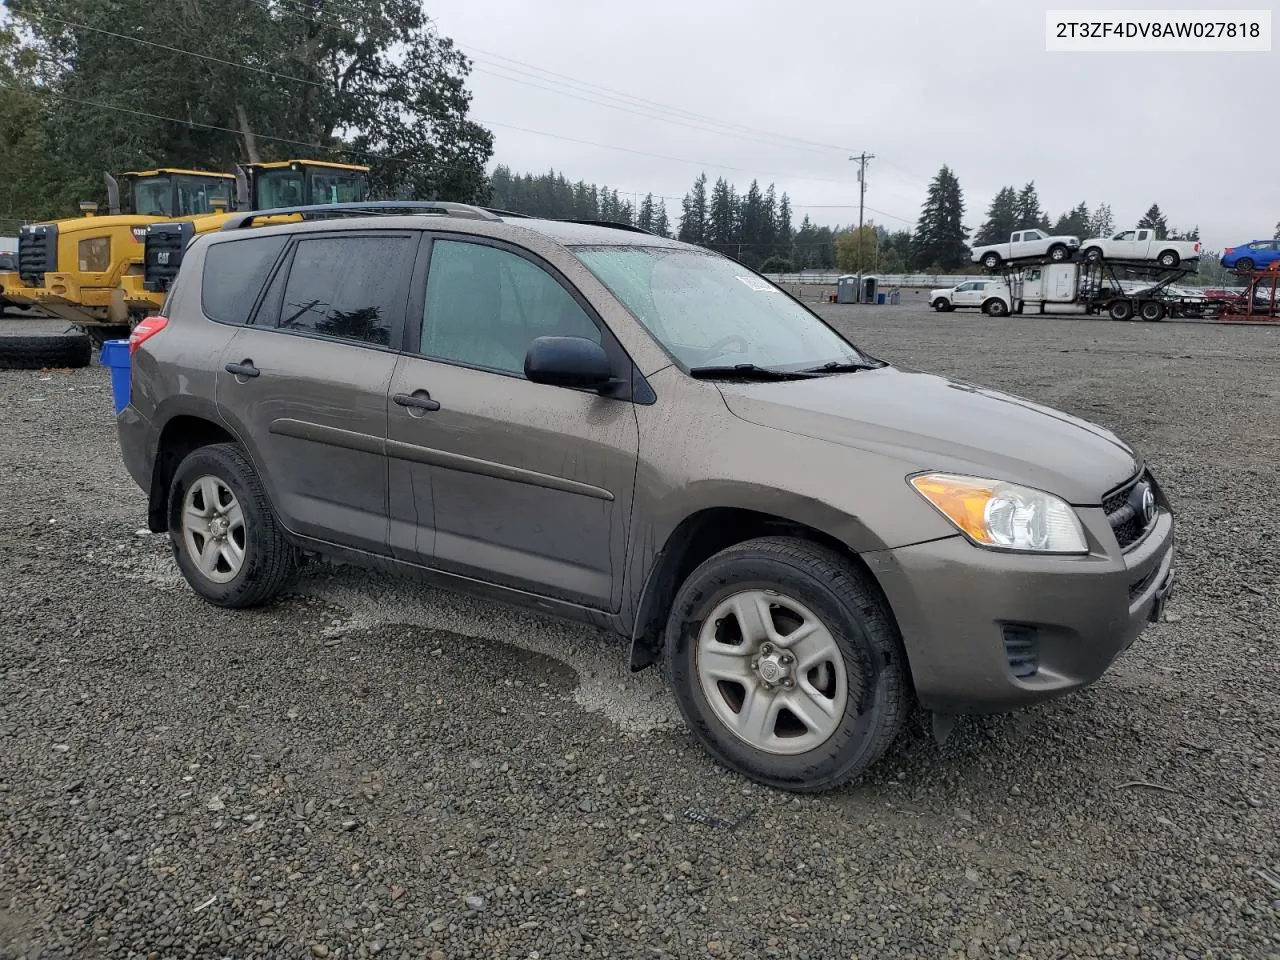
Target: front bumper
[{"x": 987, "y": 632}]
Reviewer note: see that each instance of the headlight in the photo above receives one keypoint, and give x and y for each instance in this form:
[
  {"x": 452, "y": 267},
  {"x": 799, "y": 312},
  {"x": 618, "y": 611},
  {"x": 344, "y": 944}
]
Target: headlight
[{"x": 1004, "y": 516}]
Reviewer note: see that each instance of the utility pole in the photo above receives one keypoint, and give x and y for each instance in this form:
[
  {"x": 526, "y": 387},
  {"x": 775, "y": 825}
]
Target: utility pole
[{"x": 862, "y": 159}]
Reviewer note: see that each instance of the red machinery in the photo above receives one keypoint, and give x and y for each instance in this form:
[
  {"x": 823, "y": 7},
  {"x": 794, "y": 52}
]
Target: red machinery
[{"x": 1259, "y": 302}]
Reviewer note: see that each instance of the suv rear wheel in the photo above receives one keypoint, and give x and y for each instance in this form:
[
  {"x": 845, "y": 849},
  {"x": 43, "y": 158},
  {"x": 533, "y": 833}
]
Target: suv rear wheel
[
  {"x": 786, "y": 665},
  {"x": 225, "y": 536}
]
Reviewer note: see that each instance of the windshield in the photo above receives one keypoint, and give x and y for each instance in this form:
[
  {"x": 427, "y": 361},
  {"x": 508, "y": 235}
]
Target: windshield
[
  {"x": 196, "y": 194},
  {"x": 337, "y": 188},
  {"x": 153, "y": 197},
  {"x": 279, "y": 188},
  {"x": 707, "y": 310}
]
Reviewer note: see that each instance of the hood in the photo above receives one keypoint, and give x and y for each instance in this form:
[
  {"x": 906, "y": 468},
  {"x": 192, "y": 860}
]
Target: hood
[
  {"x": 932, "y": 423},
  {"x": 103, "y": 224}
]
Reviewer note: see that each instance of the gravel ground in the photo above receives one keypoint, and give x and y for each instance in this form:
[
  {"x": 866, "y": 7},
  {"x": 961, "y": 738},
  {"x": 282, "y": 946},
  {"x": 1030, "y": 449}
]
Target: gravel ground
[{"x": 370, "y": 768}]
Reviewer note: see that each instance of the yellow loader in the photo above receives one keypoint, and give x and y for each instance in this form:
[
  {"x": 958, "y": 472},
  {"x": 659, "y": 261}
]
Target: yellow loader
[
  {"x": 89, "y": 270},
  {"x": 74, "y": 268},
  {"x": 263, "y": 186}
]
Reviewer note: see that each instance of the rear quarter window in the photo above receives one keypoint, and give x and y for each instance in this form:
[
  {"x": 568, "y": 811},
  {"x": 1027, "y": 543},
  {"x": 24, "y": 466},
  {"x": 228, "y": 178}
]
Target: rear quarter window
[{"x": 234, "y": 272}]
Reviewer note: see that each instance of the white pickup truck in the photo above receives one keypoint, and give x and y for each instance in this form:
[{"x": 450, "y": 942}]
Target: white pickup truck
[
  {"x": 987, "y": 294},
  {"x": 1140, "y": 243},
  {"x": 1024, "y": 244}
]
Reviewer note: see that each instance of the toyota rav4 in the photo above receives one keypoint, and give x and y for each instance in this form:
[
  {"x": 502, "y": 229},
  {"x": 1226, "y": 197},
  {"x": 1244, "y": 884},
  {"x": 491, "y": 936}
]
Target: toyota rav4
[{"x": 611, "y": 426}]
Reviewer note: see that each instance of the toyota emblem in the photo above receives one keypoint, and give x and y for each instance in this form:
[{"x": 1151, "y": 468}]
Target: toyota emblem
[{"x": 1148, "y": 506}]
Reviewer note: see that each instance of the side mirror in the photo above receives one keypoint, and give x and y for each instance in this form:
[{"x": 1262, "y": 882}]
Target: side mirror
[{"x": 568, "y": 362}]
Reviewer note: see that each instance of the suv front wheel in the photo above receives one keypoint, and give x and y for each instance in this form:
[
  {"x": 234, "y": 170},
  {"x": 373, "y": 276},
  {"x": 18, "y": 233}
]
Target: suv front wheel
[
  {"x": 786, "y": 665},
  {"x": 225, "y": 536}
]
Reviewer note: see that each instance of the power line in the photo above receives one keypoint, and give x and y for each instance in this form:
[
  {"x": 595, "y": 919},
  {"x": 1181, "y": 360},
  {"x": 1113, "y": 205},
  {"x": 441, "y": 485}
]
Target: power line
[
  {"x": 626, "y": 108},
  {"x": 579, "y": 87},
  {"x": 487, "y": 122},
  {"x": 703, "y": 118}
]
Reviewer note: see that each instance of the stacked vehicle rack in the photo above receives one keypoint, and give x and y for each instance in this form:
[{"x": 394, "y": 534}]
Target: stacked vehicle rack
[{"x": 1134, "y": 289}]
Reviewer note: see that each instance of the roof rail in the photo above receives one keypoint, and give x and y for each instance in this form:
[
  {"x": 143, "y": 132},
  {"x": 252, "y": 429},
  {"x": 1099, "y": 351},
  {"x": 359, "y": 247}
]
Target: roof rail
[
  {"x": 373, "y": 208},
  {"x": 508, "y": 213},
  {"x": 615, "y": 224}
]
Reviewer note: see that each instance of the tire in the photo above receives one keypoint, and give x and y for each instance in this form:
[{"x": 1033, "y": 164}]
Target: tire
[
  {"x": 1121, "y": 310},
  {"x": 98, "y": 335},
  {"x": 1093, "y": 255},
  {"x": 1168, "y": 259},
  {"x": 991, "y": 260},
  {"x": 267, "y": 561},
  {"x": 1244, "y": 265},
  {"x": 1152, "y": 310},
  {"x": 56, "y": 351},
  {"x": 859, "y": 639},
  {"x": 1058, "y": 253},
  {"x": 942, "y": 306},
  {"x": 995, "y": 308}
]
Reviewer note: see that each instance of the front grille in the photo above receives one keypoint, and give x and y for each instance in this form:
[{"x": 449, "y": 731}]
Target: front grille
[
  {"x": 1020, "y": 650},
  {"x": 1124, "y": 509},
  {"x": 37, "y": 253},
  {"x": 164, "y": 247}
]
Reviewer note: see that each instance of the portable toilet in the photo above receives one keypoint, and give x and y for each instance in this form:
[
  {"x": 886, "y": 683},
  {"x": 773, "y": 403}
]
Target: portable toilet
[
  {"x": 870, "y": 285},
  {"x": 847, "y": 289}
]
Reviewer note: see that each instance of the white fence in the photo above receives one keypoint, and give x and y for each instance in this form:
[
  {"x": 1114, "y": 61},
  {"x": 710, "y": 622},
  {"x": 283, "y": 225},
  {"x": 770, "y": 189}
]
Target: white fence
[{"x": 929, "y": 280}]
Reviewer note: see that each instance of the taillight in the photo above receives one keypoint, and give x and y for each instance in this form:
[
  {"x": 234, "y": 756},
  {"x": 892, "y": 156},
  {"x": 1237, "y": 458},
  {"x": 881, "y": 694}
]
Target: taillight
[
  {"x": 1197, "y": 248},
  {"x": 145, "y": 330},
  {"x": 1229, "y": 250}
]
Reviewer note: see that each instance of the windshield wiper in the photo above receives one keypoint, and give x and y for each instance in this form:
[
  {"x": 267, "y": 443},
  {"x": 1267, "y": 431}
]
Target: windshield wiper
[
  {"x": 747, "y": 371},
  {"x": 841, "y": 366}
]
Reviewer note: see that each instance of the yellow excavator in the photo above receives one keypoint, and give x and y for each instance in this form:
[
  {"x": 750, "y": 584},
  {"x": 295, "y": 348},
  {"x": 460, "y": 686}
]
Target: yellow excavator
[
  {"x": 73, "y": 268},
  {"x": 90, "y": 270}
]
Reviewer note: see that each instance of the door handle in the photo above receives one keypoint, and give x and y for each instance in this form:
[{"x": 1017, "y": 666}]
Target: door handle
[
  {"x": 418, "y": 400},
  {"x": 244, "y": 368}
]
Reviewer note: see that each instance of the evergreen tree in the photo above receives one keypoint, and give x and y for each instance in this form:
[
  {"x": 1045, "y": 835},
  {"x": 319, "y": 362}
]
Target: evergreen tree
[
  {"x": 661, "y": 226},
  {"x": 940, "y": 233},
  {"x": 722, "y": 219},
  {"x": 750, "y": 221},
  {"x": 644, "y": 219},
  {"x": 769, "y": 226},
  {"x": 782, "y": 232},
  {"x": 897, "y": 255},
  {"x": 1154, "y": 219},
  {"x": 1002, "y": 218},
  {"x": 1074, "y": 223},
  {"x": 694, "y": 214},
  {"x": 1028, "y": 209}
]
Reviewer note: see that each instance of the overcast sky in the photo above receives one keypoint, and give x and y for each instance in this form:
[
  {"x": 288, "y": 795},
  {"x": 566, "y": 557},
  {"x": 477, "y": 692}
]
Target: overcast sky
[{"x": 917, "y": 83}]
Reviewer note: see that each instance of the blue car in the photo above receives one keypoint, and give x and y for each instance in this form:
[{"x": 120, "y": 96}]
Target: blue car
[{"x": 1259, "y": 255}]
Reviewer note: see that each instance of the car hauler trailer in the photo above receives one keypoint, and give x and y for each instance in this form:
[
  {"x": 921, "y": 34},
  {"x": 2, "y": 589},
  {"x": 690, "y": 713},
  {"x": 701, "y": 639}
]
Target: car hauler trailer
[{"x": 1122, "y": 290}]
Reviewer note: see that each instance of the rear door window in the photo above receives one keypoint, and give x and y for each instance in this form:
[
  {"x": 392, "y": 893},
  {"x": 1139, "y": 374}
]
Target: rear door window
[
  {"x": 234, "y": 272},
  {"x": 346, "y": 287}
]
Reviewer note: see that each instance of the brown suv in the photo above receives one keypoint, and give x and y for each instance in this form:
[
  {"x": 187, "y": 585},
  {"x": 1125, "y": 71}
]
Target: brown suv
[{"x": 607, "y": 425}]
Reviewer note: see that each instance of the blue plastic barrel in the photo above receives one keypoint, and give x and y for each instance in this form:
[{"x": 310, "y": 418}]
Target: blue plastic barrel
[
  {"x": 880, "y": 298},
  {"x": 115, "y": 357}
]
